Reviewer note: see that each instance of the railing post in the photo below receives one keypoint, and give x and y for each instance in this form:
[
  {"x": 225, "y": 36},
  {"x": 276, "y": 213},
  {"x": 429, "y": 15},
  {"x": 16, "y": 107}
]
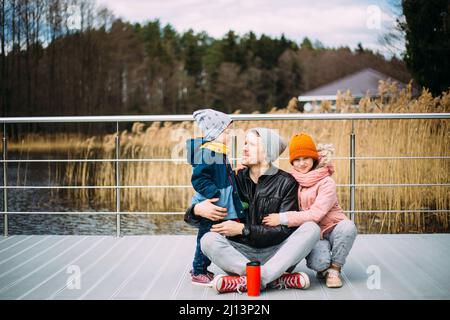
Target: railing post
[
  {"x": 5, "y": 183},
  {"x": 234, "y": 151},
  {"x": 117, "y": 138},
  {"x": 352, "y": 172}
]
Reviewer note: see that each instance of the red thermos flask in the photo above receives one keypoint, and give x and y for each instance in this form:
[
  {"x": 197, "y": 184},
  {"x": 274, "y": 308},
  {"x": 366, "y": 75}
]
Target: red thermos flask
[{"x": 253, "y": 271}]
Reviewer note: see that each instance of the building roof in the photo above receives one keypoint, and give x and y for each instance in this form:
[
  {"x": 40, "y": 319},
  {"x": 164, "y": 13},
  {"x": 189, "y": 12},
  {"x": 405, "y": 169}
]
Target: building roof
[{"x": 359, "y": 83}]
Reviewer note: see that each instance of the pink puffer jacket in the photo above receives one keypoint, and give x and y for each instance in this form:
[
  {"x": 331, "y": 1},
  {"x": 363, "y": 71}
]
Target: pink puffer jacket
[{"x": 317, "y": 197}]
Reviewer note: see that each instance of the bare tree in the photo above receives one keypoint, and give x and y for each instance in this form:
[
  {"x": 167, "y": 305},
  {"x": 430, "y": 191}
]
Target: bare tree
[{"x": 393, "y": 39}]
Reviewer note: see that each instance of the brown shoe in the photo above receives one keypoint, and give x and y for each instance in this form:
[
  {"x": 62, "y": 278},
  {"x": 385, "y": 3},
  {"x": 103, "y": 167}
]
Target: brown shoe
[{"x": 333, "y": 279}]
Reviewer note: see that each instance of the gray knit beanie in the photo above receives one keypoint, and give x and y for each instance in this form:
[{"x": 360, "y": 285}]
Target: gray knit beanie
[
  {"x": 272, "y": 143},
  {"x": 211, "y": 122}
]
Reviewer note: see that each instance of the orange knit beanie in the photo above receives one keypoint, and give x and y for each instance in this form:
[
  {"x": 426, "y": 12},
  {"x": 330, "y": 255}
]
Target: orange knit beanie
[{"x": 302, "y": 146}]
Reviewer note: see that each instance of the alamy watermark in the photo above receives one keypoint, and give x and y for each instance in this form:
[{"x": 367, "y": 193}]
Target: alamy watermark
[
  {"x": 374, "y": 279},
  {"x": 376, "y": 18},
  {"x": 74, "y": 280}
]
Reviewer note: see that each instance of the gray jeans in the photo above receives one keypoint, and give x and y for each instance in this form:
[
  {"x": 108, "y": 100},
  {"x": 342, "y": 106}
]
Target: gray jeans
[
  {"x": 334, "y": 248},
  {"x": 232, "y": 257}
]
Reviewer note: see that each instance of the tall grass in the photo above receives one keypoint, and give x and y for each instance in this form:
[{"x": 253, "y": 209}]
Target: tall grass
[{"x": 373, "y": 138}]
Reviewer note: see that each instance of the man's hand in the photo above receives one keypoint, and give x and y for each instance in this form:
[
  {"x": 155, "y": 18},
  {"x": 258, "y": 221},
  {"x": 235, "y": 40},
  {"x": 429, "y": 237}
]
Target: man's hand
[
  {"x": 272, "y": 220},
  {"x": 208, "y": 210},
  {"x": 228, "y": 228}
]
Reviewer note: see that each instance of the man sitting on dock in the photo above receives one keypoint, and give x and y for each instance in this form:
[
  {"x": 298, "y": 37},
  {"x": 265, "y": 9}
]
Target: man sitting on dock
[{"x": 231, "y": 244}]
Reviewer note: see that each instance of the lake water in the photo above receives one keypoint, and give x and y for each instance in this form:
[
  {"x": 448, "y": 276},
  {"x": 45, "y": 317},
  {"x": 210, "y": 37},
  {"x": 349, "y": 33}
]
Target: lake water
[
  {"x": 41, "y": 200},
  {"x": 38, "y": 200}
]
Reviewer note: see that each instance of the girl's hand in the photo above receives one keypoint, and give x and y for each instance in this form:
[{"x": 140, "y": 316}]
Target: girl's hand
[{"x": 272, "y": 220}]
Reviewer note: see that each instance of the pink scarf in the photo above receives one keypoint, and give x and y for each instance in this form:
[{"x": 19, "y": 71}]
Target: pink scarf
[{"x": 312, "y": 177}]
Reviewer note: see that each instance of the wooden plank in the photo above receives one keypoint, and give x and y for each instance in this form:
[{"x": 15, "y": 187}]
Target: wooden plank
[
  {"x": 109, "y": 281},
  {"x": 97, "y": 268},
  {"x": 7, "y": 239},
  {"x": 22, "y": 264},
  {"x": 19, "y": 279},
  {"x": 57, "y": 284},
  {"x": 146, "y": 254},
  {"x": 8, "y": 245},
  {"x": 355, "y": 272},
  {"x": 57, "y": 279},
  {"x": 21, "y": 248},
  {"x": 442, "y": 241},
  {"x": 395, "y": 279},
  {"x": 184, "y": 289},
  {"x": 422, "y": 251},
  {"x": 411, "y": 270},
  {"x": 171, "y": 266},
  {"x": 52, "y": 266},
  {"x": 139, "y": 283},
  {"x": 157, "y": 267}
]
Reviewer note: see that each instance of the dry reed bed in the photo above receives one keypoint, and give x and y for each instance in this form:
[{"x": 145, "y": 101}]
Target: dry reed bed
[{"x": 373, "y": 138}]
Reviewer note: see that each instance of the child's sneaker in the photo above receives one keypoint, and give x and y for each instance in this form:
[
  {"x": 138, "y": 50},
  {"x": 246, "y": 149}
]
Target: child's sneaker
[
  {"x": 223, "y": 283},
  {"x": 202, "y": 279},
  {"x": 296, "y": 280},
  {"x": 210, "y": 275},
  {"x": 333, "y": 279}
]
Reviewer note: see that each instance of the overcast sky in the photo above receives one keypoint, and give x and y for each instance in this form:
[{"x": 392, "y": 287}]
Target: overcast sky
[{"x": 335, "y": 22}]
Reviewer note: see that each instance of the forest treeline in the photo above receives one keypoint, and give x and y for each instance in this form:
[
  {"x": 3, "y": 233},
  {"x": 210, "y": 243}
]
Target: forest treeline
[{"x": 68, "y": 57}]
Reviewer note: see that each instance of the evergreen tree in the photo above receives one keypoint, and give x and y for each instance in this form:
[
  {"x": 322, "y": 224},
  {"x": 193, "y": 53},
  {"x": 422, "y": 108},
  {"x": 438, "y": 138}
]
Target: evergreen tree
[{"x": 427, "y": 29}]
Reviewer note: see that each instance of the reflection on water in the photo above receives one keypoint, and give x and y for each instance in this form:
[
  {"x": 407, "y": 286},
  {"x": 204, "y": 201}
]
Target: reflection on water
[
  {"x": 94, "y": 225},
  {"x": 44, "y": 200}
]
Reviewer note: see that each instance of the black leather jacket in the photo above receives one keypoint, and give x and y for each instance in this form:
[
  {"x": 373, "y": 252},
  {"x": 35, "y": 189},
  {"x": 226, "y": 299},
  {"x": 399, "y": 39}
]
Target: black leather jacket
[{"x": 276, "y": 191}]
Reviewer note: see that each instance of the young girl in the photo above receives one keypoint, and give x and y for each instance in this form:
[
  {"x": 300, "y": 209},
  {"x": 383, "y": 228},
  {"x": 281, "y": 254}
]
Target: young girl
[{"x": 318, "y": 201}]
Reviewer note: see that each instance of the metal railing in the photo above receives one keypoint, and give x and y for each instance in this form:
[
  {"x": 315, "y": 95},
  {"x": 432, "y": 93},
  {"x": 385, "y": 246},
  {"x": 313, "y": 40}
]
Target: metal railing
[
  {"x": 175, "y": 118},
  {"x": 333, "y": 97}
]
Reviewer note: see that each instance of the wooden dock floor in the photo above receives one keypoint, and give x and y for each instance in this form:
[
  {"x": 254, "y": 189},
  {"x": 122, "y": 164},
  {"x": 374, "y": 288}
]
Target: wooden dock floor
[{"x": 157, "y": 267}]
